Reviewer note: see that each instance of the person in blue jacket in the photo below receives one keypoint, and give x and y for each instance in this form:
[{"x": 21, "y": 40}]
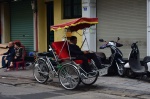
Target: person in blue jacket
[{"x": 8, "y": 56}]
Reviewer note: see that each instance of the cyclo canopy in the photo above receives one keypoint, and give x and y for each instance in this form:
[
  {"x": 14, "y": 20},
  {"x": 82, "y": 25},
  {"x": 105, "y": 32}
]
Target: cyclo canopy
[{"x": 76, "y": 24}]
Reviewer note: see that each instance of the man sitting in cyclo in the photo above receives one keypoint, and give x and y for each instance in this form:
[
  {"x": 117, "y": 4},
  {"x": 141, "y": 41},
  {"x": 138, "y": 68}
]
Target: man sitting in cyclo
[{"x": 75, "y": 51}]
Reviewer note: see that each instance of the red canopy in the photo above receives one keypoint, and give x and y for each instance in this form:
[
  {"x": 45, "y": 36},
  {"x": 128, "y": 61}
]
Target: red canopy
[{"x": 76, "y": 24}]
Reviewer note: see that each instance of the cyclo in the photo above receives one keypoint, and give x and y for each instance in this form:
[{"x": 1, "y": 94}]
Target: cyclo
[{"x": 59, "y": 63}]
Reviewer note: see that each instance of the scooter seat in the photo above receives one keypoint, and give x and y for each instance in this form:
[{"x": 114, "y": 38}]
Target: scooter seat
[
  {"x": 146, "y": 59},
  {"x": 136, "y": 66},
  {"x": 140, "y": 71}
]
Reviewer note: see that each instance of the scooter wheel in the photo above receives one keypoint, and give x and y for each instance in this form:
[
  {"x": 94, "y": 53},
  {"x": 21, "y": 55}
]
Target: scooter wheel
[{"x": 121, "y": 70}]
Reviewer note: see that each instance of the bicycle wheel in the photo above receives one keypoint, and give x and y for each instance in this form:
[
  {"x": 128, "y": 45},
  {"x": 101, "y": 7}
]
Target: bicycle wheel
[
  {"x": 41, "y": 71},
  {"x": 69, "y": 76},
  {"x": 91, "y": 77}
]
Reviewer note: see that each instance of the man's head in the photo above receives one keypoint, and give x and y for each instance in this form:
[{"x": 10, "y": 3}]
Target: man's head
[
  {"x": 10, "y": 44},
  {"x": 73, "y": 39}
]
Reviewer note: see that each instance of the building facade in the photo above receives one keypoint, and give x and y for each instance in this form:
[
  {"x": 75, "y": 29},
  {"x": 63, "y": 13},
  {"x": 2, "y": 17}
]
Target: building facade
[{"x": 30, "y": 21}]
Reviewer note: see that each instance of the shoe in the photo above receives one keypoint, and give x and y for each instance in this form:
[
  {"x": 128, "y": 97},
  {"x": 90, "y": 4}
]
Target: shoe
[
  {"x": 101, "y": 67},
  {"x": 92, "y": 73},
  {"x": 6, "y": 70}
]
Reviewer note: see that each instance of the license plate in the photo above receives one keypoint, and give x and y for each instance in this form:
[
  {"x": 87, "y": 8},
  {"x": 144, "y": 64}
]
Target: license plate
[{"x": 103, "y": 71}]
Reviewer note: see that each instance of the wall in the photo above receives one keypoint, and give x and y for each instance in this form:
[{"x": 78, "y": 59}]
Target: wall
[
  {"x": 5, "y": 22},
  {"x": 58, "y": 35},
  {"x": 42, "y": 27},
  {"x": 42, "y": 24}
]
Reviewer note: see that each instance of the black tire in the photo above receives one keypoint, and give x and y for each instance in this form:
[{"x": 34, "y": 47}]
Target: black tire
[
  {"x": 90, "y": 80},
  {"x": 121, "y": 70},
  {"x": 41, "y": 71},
  {"x": 69, "y": 76},
  {"x": 129, "y": 73},
  {"x": 112, "y": 70}
]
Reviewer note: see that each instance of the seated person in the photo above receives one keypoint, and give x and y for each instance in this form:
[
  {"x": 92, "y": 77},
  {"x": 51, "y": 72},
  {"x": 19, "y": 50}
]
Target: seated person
[
  {"x": 75, "y": 51},
  {"x": 18, "y": 53},
  {"x": 6, "y": 59}
]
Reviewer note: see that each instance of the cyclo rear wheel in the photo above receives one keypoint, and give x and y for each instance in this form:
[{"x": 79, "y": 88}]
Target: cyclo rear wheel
[
  {"x": 91, "y": 79},
  {"x": 69, "y": 76},
  {"x": 41, "y": 71}
]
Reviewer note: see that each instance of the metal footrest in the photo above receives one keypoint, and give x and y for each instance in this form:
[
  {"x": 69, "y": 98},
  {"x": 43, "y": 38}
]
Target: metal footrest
[{"x": 103, "y": 71}]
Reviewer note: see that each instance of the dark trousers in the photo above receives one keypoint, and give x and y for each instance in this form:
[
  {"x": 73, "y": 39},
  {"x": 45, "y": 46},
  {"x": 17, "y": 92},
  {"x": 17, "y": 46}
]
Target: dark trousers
[
  {"x": 85, "y": 58},
  {"x": 4, "y": 63}
]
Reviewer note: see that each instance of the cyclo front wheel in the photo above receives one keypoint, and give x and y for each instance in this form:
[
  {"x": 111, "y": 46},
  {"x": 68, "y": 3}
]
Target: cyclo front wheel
[
  {"x": 69, "y": 76},
  {"x": 91, "y": 79},
  {"x": 41, "y": 71}
]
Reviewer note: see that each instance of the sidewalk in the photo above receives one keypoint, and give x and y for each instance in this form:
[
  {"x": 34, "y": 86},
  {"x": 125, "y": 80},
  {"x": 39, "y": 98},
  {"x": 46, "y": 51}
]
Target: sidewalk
[{"x": 26, "y": 73}]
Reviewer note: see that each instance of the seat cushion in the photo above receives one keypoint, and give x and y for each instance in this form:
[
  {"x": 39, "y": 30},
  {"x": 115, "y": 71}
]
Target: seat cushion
[{"x": 61, "y": 49}]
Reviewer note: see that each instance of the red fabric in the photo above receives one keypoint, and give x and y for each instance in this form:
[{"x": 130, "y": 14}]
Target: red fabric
[
  {"x": 16, "y": 41},
  {"x": 57, "y": 46},
  {"x": 76, "y": 24}
]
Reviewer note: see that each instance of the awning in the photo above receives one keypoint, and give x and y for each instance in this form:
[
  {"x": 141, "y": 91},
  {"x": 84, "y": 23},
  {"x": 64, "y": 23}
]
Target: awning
[{"x": 76, "y": 24}]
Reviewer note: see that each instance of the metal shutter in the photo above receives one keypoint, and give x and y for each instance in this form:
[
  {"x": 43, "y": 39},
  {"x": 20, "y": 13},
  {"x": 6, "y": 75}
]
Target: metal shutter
[
  {"x": 125, "y": 19},
  {"x": 22, "y": 23}
]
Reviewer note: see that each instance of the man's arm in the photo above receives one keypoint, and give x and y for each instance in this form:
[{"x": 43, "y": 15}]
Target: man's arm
[
  {"x": 75, "y": 49},
  {"x": 6, "y": 53},
  {"x": 11, "y": 53}
]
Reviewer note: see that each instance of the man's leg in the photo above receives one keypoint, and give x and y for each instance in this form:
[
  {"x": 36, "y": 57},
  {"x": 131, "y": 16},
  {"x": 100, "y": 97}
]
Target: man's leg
[
  {"x": 3, "y": 62},
  {"x": 94, "y": 57},
  {"x": 8, "y": 59},
  {"x": 85, "y": 64}
]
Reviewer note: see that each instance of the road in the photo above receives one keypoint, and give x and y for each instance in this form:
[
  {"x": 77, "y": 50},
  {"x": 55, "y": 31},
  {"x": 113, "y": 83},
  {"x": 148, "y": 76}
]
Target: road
[
  {"x": 43, "y": 92},
  {"x": 105, "y": 88}
]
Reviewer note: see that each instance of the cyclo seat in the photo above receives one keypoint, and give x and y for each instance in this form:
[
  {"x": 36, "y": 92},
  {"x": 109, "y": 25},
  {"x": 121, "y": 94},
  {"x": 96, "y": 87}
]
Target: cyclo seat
[
  {"x": 61, "y": 49},
  {"x": 48, "y": 54}
]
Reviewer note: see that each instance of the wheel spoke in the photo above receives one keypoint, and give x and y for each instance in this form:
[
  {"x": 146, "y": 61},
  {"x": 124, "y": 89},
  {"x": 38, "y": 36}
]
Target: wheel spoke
[
  {"x": 41, "y": 72},
  {"x": 91, "y": 79},
  {"x": 67, "y": 75}
]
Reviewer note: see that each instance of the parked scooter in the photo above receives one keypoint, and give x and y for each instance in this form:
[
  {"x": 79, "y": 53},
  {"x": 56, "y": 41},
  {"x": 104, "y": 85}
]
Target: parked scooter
[
  {"x": 115, "y": 62},
  {"x": 134, "y": 68}
]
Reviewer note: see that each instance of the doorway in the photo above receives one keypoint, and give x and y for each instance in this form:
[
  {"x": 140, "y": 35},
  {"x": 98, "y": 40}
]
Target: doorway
[{"x": 50, "y": 22}]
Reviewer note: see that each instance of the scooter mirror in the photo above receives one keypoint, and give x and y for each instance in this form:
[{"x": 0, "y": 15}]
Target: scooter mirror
[{"x": 101, "y": 40}]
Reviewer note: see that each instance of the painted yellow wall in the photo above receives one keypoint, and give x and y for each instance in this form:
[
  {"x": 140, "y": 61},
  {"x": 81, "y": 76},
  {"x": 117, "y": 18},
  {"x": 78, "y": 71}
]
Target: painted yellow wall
[
  {"x": 58, "y": 35},
  {"x": 5, "y": 16},
  {"x": 42, "y": 26}
]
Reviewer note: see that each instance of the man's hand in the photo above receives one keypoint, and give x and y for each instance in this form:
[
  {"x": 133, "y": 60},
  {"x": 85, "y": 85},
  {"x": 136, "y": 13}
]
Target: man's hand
[
  {"x": 15, "y": 57},
  {"x": 4, "y": 58},
  {"x": 85, "y": 52},
  {"x": 1, "y": 54}
]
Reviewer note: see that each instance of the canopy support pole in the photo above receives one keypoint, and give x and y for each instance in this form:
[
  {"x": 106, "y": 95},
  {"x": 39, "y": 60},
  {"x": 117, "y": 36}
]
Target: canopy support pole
[{"x": 85, "y": 39}]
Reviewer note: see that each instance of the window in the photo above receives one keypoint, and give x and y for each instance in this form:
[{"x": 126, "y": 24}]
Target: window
[{"x": 72, "y": 9}]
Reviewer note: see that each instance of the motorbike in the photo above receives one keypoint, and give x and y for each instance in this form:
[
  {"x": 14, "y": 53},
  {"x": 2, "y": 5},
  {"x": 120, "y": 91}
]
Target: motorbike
[
  {"x": 115, "y": 61},
  {"x": 135, "y": 68}
]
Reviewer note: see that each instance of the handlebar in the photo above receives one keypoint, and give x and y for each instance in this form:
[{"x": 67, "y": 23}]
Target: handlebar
[{"x": 115, "y": 43}]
